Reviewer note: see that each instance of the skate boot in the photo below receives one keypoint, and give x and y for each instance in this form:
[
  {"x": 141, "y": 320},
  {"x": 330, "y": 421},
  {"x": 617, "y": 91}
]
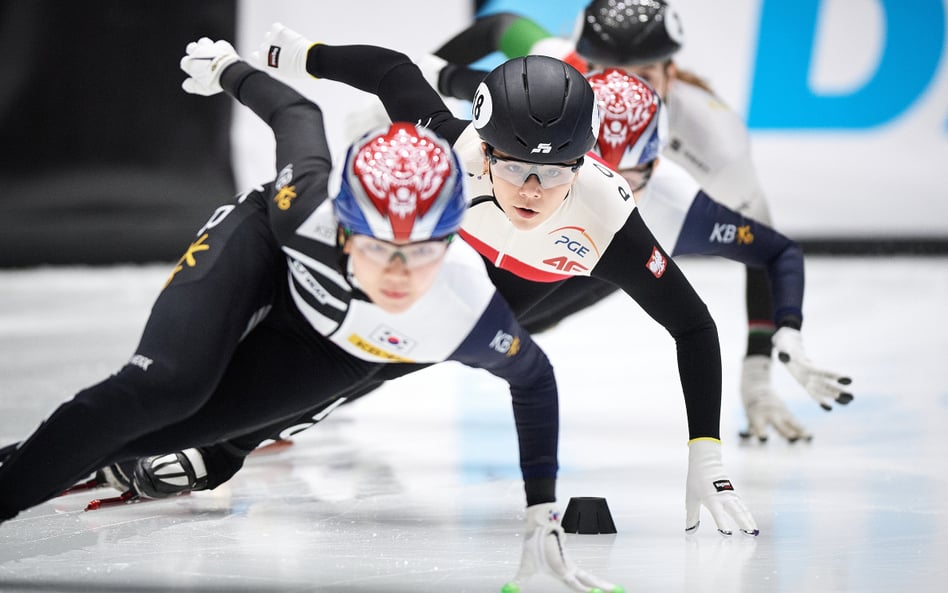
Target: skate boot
[
  {"x": 161, "y": 476},
  {"x": 117, "y": 475},
  {"x": 170, "y": 475}
]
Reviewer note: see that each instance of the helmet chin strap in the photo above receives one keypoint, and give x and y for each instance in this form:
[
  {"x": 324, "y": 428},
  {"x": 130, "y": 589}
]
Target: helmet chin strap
[{"x": 493, "y": 194}]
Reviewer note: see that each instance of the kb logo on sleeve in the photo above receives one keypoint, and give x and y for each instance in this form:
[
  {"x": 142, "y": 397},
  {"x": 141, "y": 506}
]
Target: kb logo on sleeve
[
  {"x": 729, "y": 233},
  {"x": 505, "y": 343}
]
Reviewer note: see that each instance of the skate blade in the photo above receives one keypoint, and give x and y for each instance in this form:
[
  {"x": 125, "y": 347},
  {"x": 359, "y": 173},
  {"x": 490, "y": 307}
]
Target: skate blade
[
  {"x": 271, "y": 448},
  {"x": 126, "y": 498},
  {"x": 83, "y": 486}
]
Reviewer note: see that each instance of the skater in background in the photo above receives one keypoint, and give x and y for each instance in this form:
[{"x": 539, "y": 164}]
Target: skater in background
[
  {"x": 706, "y": 138},
  {"x": 275, "y": 309},
  {"x": 633, "y": 133}
]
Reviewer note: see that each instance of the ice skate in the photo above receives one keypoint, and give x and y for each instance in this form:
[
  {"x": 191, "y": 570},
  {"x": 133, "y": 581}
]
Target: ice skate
[
  {"x": 161, "y": 476},
  {"x": 272, "y": 447},
  {"x": 117, "y": 476}
]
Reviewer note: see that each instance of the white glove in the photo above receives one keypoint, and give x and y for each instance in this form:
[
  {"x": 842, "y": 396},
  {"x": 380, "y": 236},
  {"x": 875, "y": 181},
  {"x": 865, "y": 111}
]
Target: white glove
[
  {"x": 283, "y": 52},
  {"x": 203, "y": 62},
  {"x": 763, "y": 406},
  {"x": 708, "y": 486},
  {"x": 544, "y": 549},
  {"x": 822, "y": 385}
]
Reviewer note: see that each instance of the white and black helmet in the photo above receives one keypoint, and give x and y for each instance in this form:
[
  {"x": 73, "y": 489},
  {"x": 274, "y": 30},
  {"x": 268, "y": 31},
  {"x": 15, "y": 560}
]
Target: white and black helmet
[
  {"x": 537, "y": 109},
  {"x": 629, "y": 32}
]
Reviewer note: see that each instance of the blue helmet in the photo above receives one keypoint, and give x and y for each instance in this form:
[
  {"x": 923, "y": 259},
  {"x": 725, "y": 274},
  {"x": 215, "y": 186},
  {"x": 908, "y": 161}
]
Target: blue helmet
[
  {"x": 634, "y": 122},
  {"x": 402, "y": 183}
]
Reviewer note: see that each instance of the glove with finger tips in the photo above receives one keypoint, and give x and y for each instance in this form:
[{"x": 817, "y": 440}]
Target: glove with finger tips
[
  {"x": 707, "y": 485},
  {"x": 763, "y": 406},
  {"x": 204, "y": 61},
  {"x": 824, "y": 386},
  {"x": 284, "y": 52},
  {"x": 544, "y": 549}
]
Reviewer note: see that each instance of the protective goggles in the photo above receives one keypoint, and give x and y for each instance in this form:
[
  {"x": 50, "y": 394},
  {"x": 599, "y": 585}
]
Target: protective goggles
[
  {"x": 517, "y": 172},
  {"x": 413, "y": 255}
]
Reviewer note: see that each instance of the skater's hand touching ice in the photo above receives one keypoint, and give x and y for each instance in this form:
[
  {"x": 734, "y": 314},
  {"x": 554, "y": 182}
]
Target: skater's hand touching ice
[
  {"x": 544, "y": 550},
  {"x": 763, "y": 405},
  {"x": 708, "y": 486}
]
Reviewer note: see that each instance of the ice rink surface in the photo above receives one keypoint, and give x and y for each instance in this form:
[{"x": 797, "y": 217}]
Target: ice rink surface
[{"x": 416, "y": 488}]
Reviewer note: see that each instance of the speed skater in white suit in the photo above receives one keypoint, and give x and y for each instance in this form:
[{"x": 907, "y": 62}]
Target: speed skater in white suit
[{"x": 687, "y": 221}]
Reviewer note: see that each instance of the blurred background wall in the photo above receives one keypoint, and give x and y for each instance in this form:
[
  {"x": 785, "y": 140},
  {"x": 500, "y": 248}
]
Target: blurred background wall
[
  {"x": 104, "y": 157},
  {"x": 106, "y": 160},
  {"x": 847, "y": 104}
]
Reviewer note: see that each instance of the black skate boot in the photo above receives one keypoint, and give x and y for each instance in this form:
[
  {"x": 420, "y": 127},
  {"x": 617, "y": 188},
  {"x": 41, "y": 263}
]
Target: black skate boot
[
  {"x": 161, "y": 476},
  {"x": 170, "y": 475}
]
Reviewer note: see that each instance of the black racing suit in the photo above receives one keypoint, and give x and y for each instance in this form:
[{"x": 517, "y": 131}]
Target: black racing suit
[{"x": 226, "y": 351}]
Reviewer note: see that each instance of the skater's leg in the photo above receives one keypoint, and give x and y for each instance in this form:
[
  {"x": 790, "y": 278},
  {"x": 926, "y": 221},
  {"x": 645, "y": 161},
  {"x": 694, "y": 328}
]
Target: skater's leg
[{"x": 195, "y": 324}]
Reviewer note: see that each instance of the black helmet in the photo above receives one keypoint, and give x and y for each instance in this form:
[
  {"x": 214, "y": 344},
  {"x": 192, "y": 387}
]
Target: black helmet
[
  {"x": 537, "y": 109},
  {"x": 628, "y": 32}
]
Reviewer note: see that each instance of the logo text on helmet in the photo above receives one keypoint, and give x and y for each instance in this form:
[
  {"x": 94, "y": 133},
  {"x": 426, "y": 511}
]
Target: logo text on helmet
[{"x": 542, "y": 148}]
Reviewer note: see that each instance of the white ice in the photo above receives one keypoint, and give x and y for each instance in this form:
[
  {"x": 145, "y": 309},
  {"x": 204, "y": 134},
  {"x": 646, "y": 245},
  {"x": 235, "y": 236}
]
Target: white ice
[{"x": 416, "y": 487}]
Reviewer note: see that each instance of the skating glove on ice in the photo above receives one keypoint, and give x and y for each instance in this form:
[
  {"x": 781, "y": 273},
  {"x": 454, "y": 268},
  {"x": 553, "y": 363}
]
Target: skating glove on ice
[
  {"x": 544, "y": 549},
  {"x": 763, "y": 406},
  {"x": 709, "y": 486},
  {"x": 283, "y": 52},
  {"x": 822, "y": 385},
  {"x": 203, "y": 62}
]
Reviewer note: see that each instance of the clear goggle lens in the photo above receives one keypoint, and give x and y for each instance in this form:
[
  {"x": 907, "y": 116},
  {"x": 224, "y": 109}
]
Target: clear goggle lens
[
  {"x": 413, "y": 255},
  {"x": 517, "y": 172}
]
